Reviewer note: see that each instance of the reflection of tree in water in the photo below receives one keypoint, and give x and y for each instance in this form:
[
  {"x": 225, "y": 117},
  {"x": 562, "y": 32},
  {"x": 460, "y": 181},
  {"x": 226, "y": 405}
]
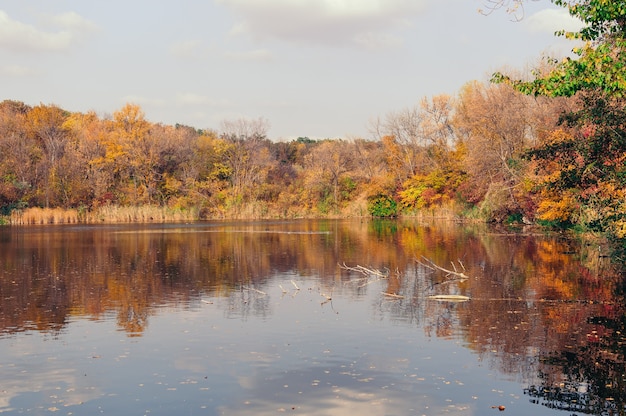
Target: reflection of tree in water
[
  {"x": 133, "y": 320},
  {"x": 410, "y": 307},
  {"x": 589, "y": 377},
  {"x": 47, "y": 276},
  {"x": 538, "y": 305}
]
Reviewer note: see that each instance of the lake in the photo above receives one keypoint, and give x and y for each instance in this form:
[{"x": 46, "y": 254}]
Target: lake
[{"x": 324, "y": 317}]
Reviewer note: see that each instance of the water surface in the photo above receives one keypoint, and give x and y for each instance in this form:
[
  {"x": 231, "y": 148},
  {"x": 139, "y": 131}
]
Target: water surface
[{"x": 306, "y": 317}]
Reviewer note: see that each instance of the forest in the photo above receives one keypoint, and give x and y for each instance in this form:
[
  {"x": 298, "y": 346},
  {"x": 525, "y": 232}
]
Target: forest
[
  {"x": 462, "y": 154},
  {"x": 547, "y": 149}
]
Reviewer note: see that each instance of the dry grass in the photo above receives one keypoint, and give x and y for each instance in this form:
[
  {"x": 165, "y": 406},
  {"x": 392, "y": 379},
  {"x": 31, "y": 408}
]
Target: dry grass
[
  {"x": 41, "y": 216},
  {"x": 104, "y": 214},
  {"x": 146, "y": 213},
  {"x": 110, "y": 214}
]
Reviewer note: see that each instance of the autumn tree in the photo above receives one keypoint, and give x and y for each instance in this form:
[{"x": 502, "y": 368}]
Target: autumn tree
[
  {"x": 203, "y": 176},
  {"x": 20, "y": 164},
  {"x": 282, "y": 173},
  {"x": 593, "y": 169},
  {"x": 442, "y": 173},
  {"x": 401, "y": 134},
  {"x": 45, "y": 123},
  {"x": 128, "y": 156},
  {"x": 417, "y": 142},
  {"x": 495, "y": 122},
  {"x": 288, "y": 177},
  {"x": 176, "y": 159},
  {"x": 326, "y": 176},
  {"x": 247, "y": 155}
]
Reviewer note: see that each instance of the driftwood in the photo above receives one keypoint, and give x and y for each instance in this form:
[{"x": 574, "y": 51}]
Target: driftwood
[
  {"x": 369, "y": 272},
  {"x": 254, "y": 290},
  {"x": 431, "y": 265},
  {"x": 366, "y": 270},
  {"x": 450, "y": 298},
  {"x": 393, "y": 295},
  {"x": 329, "y": 298}
]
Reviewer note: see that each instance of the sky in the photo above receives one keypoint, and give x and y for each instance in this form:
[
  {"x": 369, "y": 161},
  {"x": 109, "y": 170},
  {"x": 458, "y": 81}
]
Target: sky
[{"x": 311, "y": 68}]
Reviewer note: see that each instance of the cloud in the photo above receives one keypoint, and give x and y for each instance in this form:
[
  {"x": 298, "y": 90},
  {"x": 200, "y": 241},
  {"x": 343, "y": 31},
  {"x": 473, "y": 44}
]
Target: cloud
[
  {"x": 370, "y": 23},
  {"x": 20, "y": 37},
  {"x": 72, "y": 21},
  {"x": 552, "y": 20}
]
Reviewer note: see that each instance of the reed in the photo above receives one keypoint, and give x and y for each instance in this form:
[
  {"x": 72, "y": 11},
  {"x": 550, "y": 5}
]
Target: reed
[
  {"x": 42, "y": 216},
  {"x": 144, "y": 213},
  {"x": 158, "y": 214},
  {"x": 104, "y": 214}
]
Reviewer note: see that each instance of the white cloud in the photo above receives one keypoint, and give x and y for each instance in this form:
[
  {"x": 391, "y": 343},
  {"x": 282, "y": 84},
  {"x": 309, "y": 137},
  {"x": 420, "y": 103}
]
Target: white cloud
[
  {"x": 552, "y": 20},
  {"x": 72, "y": 21},
  {"x": 19, "y": 36},
  {"x": 331, "y": 22}
]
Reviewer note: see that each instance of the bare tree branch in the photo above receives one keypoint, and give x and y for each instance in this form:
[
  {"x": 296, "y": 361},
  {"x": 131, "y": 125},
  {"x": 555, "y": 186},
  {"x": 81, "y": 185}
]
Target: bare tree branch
[
  {"x": 515, "y": 8},
  {"x": 365, "y": 270},
  {"x": 431, "y": 265}
]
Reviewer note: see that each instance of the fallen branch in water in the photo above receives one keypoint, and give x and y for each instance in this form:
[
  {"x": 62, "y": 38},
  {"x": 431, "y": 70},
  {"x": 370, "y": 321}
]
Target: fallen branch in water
[
  {"x": 393, "y": 295},
  {"x": 365, "y": 270},
  {"x": 329, "y": 298},
  {"x": 450, "y": 298},
  {"x": 431, "y": 265},
  {"x": 254, "y": 290}
]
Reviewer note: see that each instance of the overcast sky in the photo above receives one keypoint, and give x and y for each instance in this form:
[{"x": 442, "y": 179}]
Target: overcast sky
[{"x": 316, "y": 68}]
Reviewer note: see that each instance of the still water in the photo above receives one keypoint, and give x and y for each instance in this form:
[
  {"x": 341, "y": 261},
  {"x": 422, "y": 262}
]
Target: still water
[{"x": 307, "y": 318}]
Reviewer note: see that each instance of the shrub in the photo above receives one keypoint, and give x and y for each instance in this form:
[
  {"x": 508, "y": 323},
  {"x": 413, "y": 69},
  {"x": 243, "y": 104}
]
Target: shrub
[{"x": 382, "y": 206}]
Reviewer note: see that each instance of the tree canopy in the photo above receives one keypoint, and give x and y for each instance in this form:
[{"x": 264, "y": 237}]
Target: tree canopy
[{"x": 599, "y": 60}]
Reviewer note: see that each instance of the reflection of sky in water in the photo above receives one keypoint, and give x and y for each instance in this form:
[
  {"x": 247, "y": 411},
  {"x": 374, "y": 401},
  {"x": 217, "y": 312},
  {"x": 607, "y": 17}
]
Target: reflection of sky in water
[{"x": 256, "y": 354}]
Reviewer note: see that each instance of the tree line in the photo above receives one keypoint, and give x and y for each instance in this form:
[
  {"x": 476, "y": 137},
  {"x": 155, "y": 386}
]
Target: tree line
[{"x": 463, "y": 152}]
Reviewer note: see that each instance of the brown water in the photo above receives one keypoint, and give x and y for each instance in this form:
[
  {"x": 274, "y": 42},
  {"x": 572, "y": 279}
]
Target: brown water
[{"x": 263, "y": 318}]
